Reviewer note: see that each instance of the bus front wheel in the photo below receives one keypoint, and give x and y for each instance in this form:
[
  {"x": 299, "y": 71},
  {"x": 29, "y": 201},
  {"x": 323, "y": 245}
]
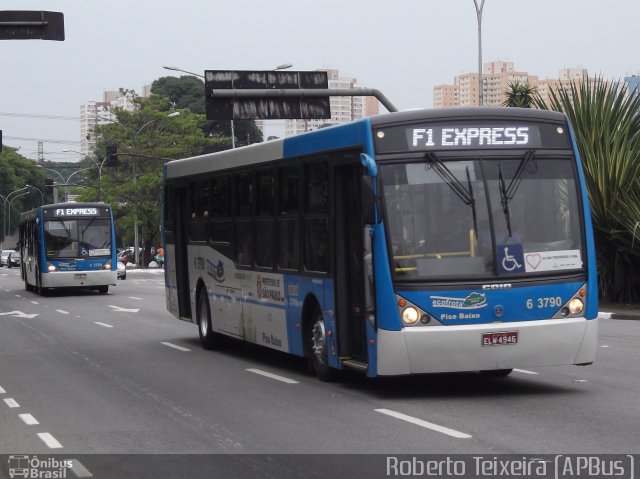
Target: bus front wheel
[
  {"x": 319, "y": 349},
  {"x": 208, "y": 338}
]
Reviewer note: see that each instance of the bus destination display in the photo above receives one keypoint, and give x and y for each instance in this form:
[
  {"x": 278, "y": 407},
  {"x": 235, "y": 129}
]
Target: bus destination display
[{"x": 467, "y": 136}]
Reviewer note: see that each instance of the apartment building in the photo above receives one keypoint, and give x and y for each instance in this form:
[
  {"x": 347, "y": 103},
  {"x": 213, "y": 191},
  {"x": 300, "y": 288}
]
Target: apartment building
[
  {"x": 496, "y": 77},
  {"x": 343, "y": 109},
  {"x": 95, "y": 113}
]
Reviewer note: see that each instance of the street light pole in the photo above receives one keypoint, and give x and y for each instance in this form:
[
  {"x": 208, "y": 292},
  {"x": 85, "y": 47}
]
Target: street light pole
[
  {"x": 39, "y": 191},
  {"x": 11, "y": 201},
  {"x": 7, "y": 200},
  {"x": 479, "y": 16}
]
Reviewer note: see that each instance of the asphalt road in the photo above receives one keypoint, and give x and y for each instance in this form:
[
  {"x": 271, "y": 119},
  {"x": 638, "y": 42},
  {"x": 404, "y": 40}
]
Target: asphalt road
[{"x": 117, "y": 374}]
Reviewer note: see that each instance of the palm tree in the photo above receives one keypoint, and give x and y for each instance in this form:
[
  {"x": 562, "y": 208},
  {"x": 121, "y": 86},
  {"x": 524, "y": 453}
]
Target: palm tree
[
  {"x": 520, "y": 95},
  {"x": 606, "y": 121}
]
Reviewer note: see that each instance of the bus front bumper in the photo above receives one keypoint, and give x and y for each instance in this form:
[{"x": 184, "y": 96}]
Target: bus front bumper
[
  {"x": 79, "y": 279},
  {"x": 550, "y": 342}
]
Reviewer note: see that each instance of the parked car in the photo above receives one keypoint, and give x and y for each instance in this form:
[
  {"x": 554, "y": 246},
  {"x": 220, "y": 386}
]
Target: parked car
[
  {"x": 4, "y": 256},
  {"x": 122, "y": 270},
  {"x": 13, "y": 259}
]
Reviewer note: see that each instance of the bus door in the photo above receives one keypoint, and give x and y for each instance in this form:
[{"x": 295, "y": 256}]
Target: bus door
[
  {"x": 350, "y": 270},
  {"x": 181, "y": 255}
]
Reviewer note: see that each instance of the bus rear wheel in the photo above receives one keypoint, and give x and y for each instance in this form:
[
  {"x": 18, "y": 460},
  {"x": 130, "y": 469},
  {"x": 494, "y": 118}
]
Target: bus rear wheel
[
  {"x": 319, "y": 349},
  {"x": 208, "y": 338}
]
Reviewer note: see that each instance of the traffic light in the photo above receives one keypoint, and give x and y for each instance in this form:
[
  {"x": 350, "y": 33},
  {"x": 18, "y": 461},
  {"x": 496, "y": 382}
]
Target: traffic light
[{"x": 112, "y": 156}]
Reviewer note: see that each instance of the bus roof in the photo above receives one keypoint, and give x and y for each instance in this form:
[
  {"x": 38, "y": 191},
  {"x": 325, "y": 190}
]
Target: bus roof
[{"x": 357, "y": 133}]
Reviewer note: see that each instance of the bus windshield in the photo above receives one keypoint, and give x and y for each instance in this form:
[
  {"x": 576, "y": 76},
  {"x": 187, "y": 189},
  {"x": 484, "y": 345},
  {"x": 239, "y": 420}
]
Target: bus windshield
[
  {"x": 78, "y": 238},
  {"x": 482, "y": 218}
]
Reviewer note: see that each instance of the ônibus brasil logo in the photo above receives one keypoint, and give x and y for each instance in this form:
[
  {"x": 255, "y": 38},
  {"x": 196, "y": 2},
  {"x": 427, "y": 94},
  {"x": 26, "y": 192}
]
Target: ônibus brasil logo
[{"x": 33, "y": 467}]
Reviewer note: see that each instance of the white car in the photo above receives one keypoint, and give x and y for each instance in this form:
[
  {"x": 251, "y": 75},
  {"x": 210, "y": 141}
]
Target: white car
[{"x": 4, "y": 256}]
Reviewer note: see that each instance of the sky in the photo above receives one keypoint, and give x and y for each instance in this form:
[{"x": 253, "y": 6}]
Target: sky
[{"x": 403, "y": 48}]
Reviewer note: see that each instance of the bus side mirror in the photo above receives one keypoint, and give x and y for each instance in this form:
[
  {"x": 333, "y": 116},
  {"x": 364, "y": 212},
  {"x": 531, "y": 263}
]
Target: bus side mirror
[{"x": 368, "y": 200}]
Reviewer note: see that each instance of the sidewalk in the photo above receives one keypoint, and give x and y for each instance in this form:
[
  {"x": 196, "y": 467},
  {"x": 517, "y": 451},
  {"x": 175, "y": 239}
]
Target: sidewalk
[{"x": 621, "y": 311}]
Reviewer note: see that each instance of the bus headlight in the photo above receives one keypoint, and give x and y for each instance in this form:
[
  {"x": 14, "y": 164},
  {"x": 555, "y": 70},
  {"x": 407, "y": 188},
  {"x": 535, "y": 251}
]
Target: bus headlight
[
  {"x": 576, "y": 306},
  {"x": 107, "y": 265},
  {"x": 410, "y": 315},
  {"x": 51, "y": 268}
]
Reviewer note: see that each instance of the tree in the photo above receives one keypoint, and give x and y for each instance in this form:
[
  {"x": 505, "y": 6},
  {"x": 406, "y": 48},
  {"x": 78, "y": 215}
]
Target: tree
[
  {"x": 519, "y": 95},
  {"x": 145, "y": 139},
  {"x": 606, "y": 121},
  {"x": 188, "y": 92},
  {"x": 16, "y": 171}
]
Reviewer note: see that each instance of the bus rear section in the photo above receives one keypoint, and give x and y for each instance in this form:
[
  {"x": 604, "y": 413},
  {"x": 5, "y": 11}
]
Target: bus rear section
[
  {"x": 488, "y": 245},
  {"x": 68, "y": 245}
]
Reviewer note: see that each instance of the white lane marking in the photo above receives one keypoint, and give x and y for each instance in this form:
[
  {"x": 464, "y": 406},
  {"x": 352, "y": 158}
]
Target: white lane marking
[
  {"x": 79, "y": 470},
  {"x": 272, "y": 376},
  {"x": 104, "y": 325},
  {"x": 34, "y": 302},
  {"x": 18, "y": 296},
  {"x": 133, "y": 297},
  {"x": 580, "y": 381},
  {"x": 604, "y": 346},
  {"x": 11, "y": 402},
  {"x": 49, "y": 440},
  {"x": 426, "y": 424},
  {"x": 524, "y": 371},
  {"x": 2, "y": 391},
  {"x": 175, "y": 346},
  {"x": 28, "y": 419},
  {"x": 118, "y": 309},
  {"x": 62, "y": 311}
]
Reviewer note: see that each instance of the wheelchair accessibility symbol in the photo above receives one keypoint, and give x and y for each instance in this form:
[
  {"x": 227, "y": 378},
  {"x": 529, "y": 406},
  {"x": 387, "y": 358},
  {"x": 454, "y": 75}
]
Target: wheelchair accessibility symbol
[{"x": 510, "y": 259}]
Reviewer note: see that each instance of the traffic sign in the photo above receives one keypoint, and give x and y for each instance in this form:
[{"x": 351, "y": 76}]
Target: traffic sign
[
  {"x": 262, "y": 107},
  {"x": 31, "y": 25}
]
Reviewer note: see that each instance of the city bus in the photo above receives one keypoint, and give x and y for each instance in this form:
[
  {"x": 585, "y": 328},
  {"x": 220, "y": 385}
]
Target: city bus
[
  {"x": 68, "y": 245},
  {"x": 413, "y": 242}
]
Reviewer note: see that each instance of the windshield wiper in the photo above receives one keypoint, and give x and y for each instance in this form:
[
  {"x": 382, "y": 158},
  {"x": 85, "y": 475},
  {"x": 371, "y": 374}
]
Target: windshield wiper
[
  {"x": 455, "y": 184},
  {"x": 508, "y": 192}
]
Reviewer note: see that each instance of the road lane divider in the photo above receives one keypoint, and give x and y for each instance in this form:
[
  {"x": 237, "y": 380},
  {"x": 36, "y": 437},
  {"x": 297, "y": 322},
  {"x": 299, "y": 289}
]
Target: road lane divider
[
  {"x": 525, "y": 371},
  {"x": 62, "y": 311},
  {"x": 104, "y": 325},
  {"x": 28, "y": 419},
  {"x": 49, "y": 440},
  {"x": 2, "y": 391},
  {"x": 425, "y": 424},
  {"x": 11, "y": 402},
  {"x": 272, "y": 376},
  {"x": 175, "y": 346}
]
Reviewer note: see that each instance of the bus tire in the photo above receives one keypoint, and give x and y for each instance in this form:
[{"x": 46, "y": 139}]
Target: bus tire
[
  {"x": 208, "y": 338},
  {"x": 103, "y": 289},
  {"x": 319, "y": 350},
  {"x": 497, "y": 373}
]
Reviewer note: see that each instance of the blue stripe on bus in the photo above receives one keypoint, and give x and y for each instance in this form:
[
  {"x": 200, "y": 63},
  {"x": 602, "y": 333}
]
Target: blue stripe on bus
[
  {"x": 356, "y": 134},
  {"x": 592, "y": 285}
]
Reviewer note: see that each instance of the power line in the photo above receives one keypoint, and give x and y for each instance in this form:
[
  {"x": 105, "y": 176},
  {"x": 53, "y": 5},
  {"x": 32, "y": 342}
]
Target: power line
[
  {"x": 40, "y": 116},
  {"x": 61, "y": 142}
]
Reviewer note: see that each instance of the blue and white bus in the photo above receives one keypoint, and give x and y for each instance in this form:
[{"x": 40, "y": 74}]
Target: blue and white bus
[
  {"x": 412, "y": 242},
  {"x": 68, "y": 245}
]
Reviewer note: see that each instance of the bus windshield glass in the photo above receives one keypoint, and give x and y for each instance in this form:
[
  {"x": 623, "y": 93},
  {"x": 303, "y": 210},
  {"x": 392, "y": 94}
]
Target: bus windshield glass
[
  {"x": 78, "y": 238},
  {"x": 483, "y": 218}
]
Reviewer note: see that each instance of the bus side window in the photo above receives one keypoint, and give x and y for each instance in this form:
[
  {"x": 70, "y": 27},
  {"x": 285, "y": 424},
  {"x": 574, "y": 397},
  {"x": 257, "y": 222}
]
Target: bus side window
[
  {"x": 243, "y": 201},
  {"x": 220, "y": 223},
  {"x": 316, "y": 221},
  {"x": 288, "y": 223},
  {"x": 264, "y": 221},
  {"x": 199, "y": 210}
]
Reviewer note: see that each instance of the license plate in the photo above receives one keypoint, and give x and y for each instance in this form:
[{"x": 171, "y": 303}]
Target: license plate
[
  {"x": 80, "y": 276},
  {"x": 499, "y": 339}
]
